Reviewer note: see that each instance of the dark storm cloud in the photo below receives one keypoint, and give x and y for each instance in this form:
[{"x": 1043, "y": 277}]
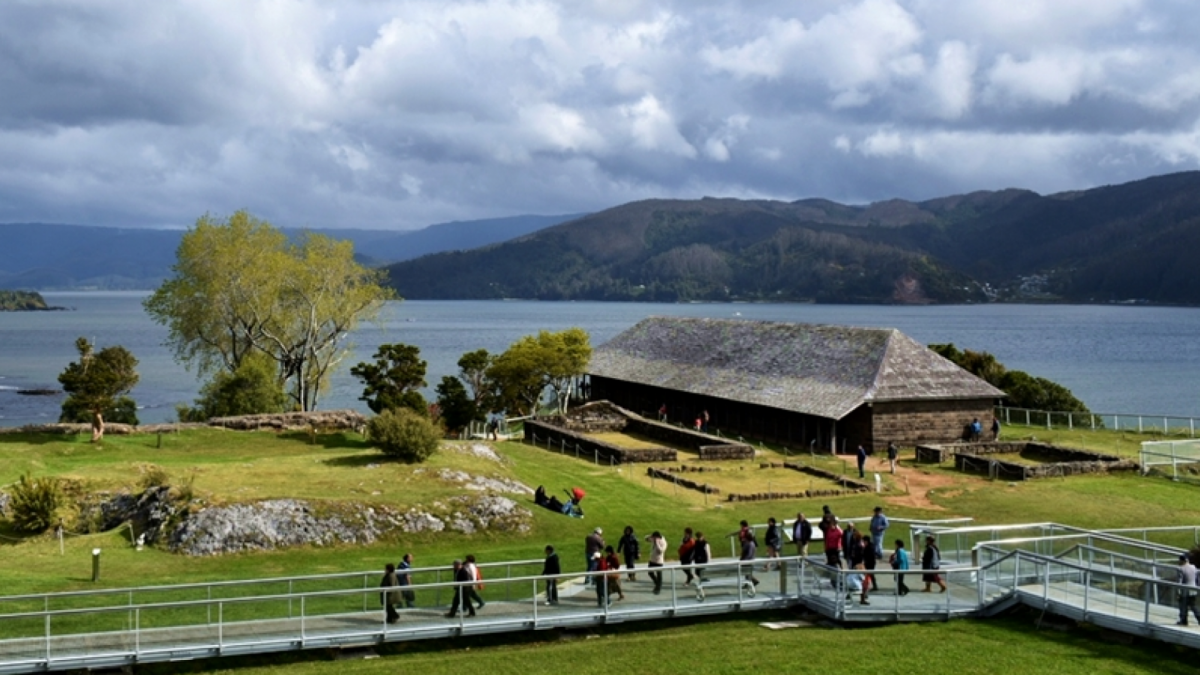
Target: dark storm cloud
[{"x": 399, "y": 114}]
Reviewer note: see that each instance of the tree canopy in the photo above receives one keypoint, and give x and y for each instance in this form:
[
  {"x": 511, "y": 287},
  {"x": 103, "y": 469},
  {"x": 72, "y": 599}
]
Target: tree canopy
[
  {"x": 1024, "y": 390},
  {"x": 240, "y": 287},
  {"x": 533, "y": 364},
  {"x": 98, "y": 382}
]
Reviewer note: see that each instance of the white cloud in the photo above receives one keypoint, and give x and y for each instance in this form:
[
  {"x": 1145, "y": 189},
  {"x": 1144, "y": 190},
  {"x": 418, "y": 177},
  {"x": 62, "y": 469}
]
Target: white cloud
[
  {"x": 652, "y": 128},
  {"x": 399, "y": 113}
]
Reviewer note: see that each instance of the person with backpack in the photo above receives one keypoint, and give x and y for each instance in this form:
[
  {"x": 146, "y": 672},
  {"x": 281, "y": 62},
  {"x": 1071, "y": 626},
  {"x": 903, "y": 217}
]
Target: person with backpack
[{"x": 931, "y": 561}]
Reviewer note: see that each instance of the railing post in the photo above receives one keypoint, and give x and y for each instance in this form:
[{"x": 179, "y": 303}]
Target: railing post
[
  {"x": 47, "y": 640},
  {"x": 290, "y": 591},
  {"x": 137, "y": 631},
  {"x": 303, "y": 637},
  {"x": 508, "y": 575},
  {"x": 221, "y": 626}
]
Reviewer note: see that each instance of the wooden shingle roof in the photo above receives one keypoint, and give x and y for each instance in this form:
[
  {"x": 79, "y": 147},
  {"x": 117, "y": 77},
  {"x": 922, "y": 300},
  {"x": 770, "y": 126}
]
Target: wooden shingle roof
[{"x": 826, "y": 371}]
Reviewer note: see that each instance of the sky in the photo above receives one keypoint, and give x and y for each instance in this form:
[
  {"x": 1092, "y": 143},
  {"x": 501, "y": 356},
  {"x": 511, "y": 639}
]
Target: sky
[{"x": 398, "y": 114}]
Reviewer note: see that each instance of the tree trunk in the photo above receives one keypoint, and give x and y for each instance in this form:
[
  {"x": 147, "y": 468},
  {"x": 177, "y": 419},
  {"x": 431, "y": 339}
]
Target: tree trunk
[{"x": 97, "y": 426}]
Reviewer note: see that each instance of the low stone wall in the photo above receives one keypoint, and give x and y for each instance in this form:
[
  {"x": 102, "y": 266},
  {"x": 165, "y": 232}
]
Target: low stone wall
[
  {"x": 848, "y": 484},
  {"x": 555, "y": 438},
  {"x": 735, "y": 451},
  {"x": 689, "y": 438},
  {"x": 671, "y": 477},
  {"x": 985, "y": 458},
  {"x": 320, "y": 420}
]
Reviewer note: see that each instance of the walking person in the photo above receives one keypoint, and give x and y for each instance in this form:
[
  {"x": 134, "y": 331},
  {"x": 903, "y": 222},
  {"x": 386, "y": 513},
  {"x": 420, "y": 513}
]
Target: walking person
[
  {"x": 461, "y": 602},
  {"x": 893, "y": 454},
  {"x": 701, "y": 554},
  {"x": 869, "y": 559},
  {"x": 687, "y": 552},
  {"x": 801, "y": 535},
  {"x": 551, "y": 567},
  {"x": 593, "y": 544},
  {"x": 601, "y": 583},
  {"x": 749, "y": 553},
  {"x": 389, "y": 598},
  {"x": 404, "y": 575},
  {"x": 658, "y": 550},
  {"x": 847, "y": 540},
  {"x": 995, "y": 429},
  {"x": 833, "y": 544},
  {"x": 931, "y": 562},
  {"x": 1187, "y": 595},
  {"x": 774, "y": 541},
  {"x": 861, "y": 455},
  {"x": 899, "y": 561},
  {"x": 879, "y": 526},
  {"x": 628, "y": 545},
  {"x": 613, "y": 564},
  {"x": 477, "y": 577}
]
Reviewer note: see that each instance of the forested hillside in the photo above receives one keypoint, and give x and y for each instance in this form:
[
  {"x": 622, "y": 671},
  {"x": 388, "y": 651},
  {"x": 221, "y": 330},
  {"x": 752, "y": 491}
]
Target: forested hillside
[{"x": 1128, "y": 242}]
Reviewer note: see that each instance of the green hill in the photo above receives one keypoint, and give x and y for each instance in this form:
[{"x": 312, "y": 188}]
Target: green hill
[{"x": 1112, "y": 243}]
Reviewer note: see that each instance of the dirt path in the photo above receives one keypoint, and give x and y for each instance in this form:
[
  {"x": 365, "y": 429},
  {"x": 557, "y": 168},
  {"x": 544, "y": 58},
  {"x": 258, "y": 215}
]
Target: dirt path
[{"x": 919, "y": 483}]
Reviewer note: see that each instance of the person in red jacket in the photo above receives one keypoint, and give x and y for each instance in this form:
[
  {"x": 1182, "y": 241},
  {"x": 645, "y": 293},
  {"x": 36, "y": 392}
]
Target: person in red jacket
[
  {"x": 833, "y": 544},
  {"x": 686, "y": 549}
]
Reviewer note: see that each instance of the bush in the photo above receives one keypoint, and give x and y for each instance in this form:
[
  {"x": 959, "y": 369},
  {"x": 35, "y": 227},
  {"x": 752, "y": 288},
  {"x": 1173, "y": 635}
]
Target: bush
[
  {"x": 34, "y": 503},
  {"x": 152, "y": 476},
  {"x": 404, "y": 434},
  {"x": 252, "y": 389}
]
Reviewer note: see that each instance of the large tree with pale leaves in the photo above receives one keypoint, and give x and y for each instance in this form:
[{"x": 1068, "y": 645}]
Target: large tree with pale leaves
[{"x": 240, "y": 286}]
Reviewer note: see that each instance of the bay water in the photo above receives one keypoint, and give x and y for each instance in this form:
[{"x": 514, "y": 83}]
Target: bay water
[{"x": 1117, "y": 359}]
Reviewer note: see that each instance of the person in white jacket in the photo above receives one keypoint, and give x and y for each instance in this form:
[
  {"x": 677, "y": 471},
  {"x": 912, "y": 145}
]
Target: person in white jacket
[{"x": 658, "y": 549}]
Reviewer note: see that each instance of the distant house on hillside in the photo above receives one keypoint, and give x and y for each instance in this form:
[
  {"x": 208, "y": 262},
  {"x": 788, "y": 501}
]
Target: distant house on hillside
[{"x": 827, "y": 387}]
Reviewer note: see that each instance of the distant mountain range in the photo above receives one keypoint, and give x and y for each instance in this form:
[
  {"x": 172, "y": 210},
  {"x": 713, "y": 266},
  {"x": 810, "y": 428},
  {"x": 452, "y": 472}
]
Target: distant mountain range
[
  {"x": 1125, "y": 243},
  {"x": 1121, "y": 243},
  {"x": 45, "y": 256}
]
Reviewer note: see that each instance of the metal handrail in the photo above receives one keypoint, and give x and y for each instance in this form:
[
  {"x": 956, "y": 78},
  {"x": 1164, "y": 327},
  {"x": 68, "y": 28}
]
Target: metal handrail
[{"x": 246, "y": 582}]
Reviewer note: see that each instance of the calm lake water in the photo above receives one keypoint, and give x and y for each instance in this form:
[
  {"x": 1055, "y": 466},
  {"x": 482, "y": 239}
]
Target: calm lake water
[{"x": 1115, "y": 358}]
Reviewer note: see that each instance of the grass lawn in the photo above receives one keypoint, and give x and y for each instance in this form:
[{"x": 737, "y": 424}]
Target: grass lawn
[{"x": 737, "y": 644}]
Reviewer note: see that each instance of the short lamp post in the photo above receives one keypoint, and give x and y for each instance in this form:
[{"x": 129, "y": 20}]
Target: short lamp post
[{"x": 95, "y": 564}]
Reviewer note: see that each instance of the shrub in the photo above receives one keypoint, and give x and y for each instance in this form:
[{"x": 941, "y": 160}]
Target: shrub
[
  {"x": 404, "y": 434},
  {"x": 152, "y": 476},
  {"x": 252, "y": 389},
  {"x": 34, "y": 503}
]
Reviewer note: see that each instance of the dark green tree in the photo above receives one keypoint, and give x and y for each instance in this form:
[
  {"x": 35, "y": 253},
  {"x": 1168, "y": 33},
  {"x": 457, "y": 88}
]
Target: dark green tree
[
  {"x": 394, "y": 379},
  {"x": 457, "y": 408},
  {"x": 252, "y": 388},
  {"x": 1024, "y": 390},
  {"x": 97, "y": 381}
]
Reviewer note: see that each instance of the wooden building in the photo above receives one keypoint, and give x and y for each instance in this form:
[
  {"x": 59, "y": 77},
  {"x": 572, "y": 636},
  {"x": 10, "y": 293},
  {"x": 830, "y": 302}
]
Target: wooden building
[{"x": 808, "y": 386}]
